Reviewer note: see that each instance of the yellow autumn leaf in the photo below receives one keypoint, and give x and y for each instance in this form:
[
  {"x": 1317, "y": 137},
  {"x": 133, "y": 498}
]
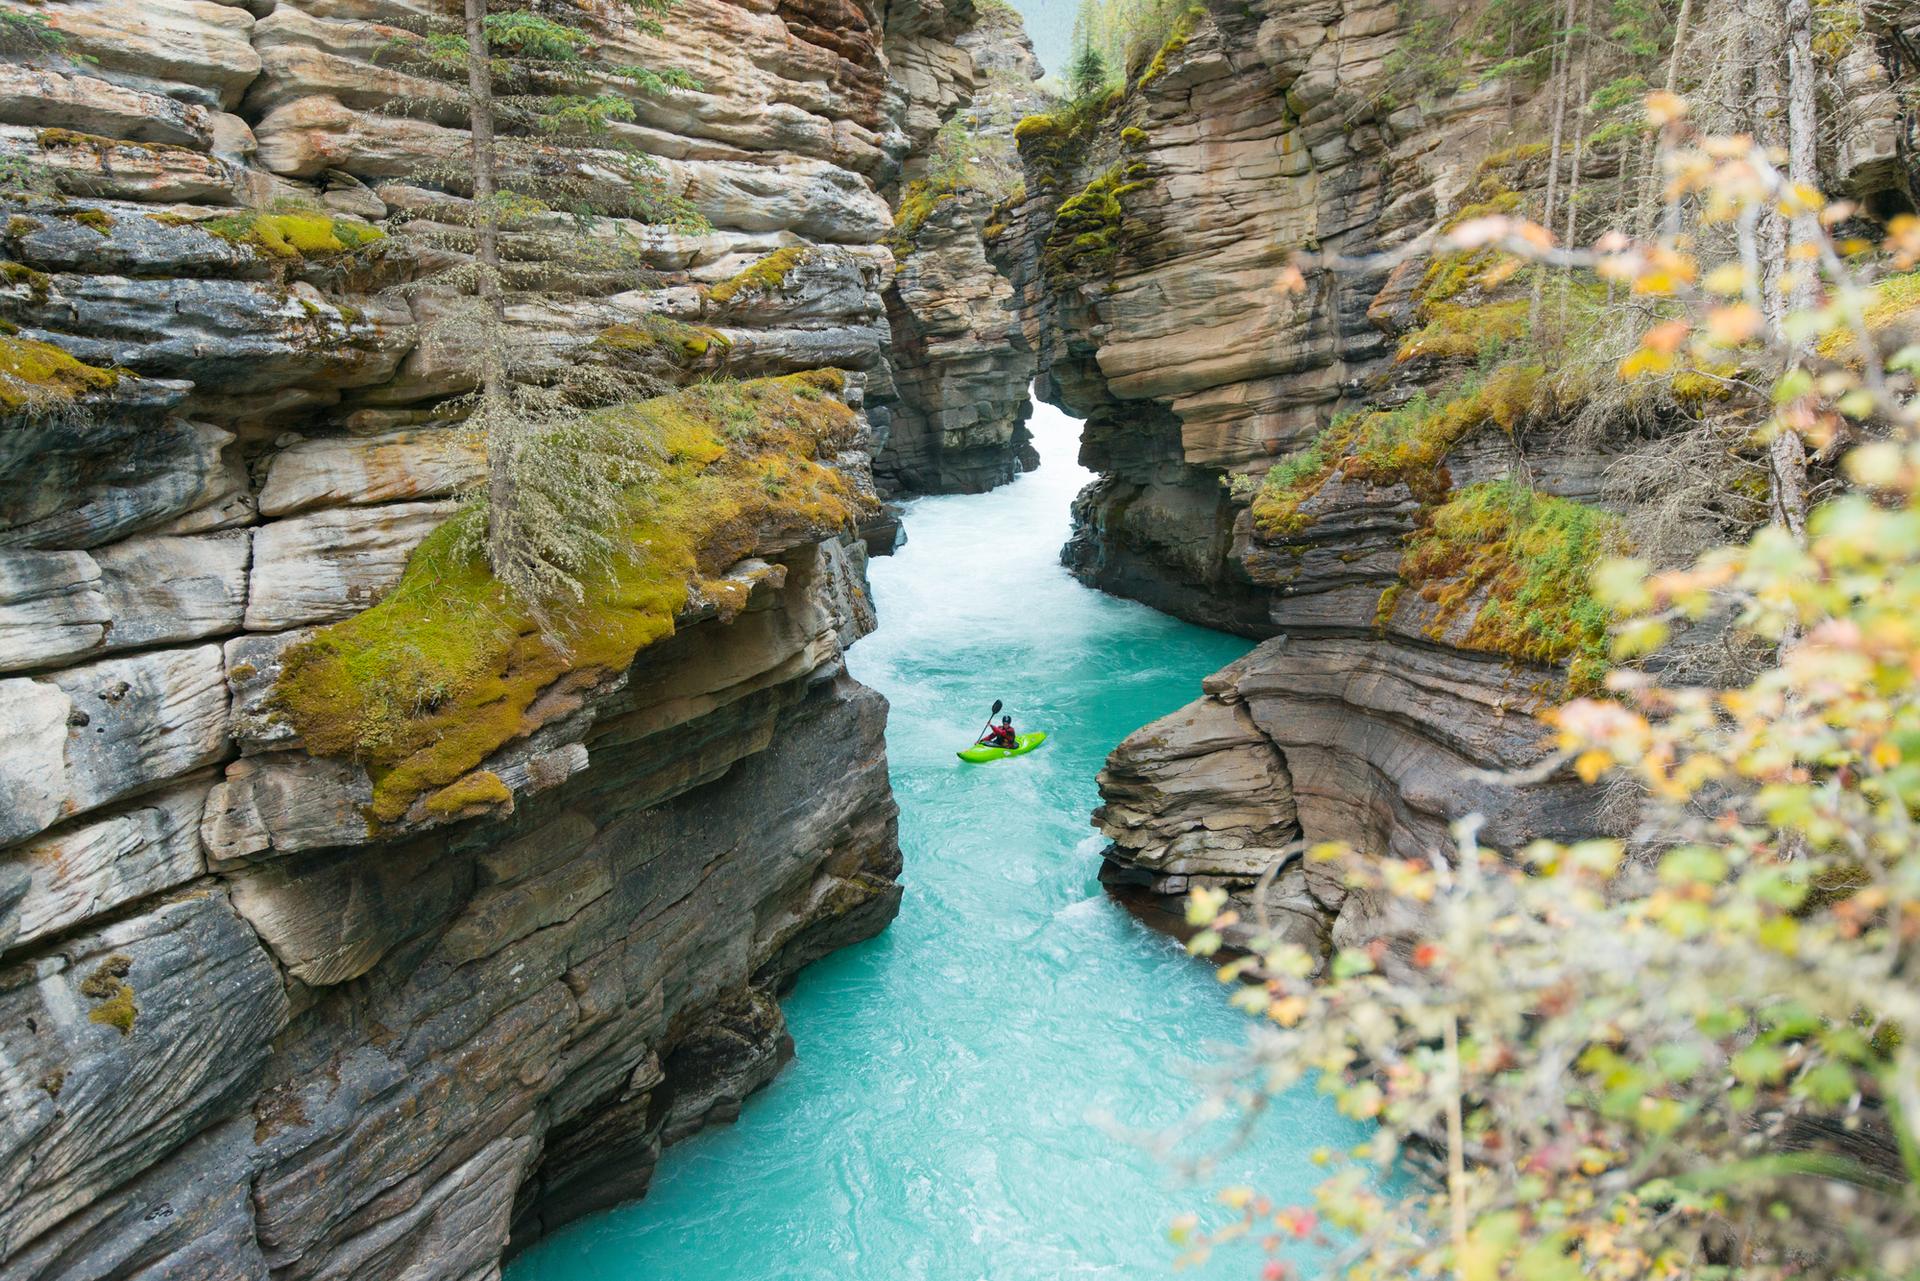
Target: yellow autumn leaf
[
  {"x": 1288, "y": 1010},
  {"x": 1591, "y": 764},
  {"x": 1728, "y": 280}
]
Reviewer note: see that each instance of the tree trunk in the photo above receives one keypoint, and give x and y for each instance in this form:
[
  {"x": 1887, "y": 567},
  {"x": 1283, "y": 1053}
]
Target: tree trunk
[
  {"x": 1673, "y": 79},
  {"x": 1788, "y": 454},
  {"x": 1562, "y": 57},
  {"x": 1579, "y": 143},
  {"x": 501, "y": 495},
  {"x": 1802, "y": 128},
  {"x": 1769, "y": 100}
]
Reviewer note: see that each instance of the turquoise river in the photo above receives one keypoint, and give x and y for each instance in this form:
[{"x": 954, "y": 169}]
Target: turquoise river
[{"x": 951, "y": 1114}]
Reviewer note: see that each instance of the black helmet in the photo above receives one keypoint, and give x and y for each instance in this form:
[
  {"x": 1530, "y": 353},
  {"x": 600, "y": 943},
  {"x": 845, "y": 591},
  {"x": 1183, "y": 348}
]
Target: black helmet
[{"x": 1006, "y": 720}]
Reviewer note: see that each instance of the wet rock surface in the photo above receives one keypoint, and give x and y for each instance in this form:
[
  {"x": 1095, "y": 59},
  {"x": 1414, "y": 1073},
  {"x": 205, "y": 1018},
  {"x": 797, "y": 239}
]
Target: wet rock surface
[{"x": 247, "y": 1032}]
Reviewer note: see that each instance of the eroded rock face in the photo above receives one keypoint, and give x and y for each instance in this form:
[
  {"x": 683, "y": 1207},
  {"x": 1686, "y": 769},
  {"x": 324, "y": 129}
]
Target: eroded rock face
[
  {"x": 1147, "y": 264},
  {"x": 956, "y": 419},
  {"x": 248, "y": 1032}
]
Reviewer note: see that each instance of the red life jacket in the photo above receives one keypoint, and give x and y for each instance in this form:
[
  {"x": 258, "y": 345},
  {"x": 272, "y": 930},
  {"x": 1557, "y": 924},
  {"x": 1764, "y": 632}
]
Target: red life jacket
[{"x": 1003, "y": 736}]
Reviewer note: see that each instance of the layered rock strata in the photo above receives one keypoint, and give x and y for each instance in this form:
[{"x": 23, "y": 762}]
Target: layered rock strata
[
  {"x": 956, "y": 420},
  {"x": 249, "y": 1031},
  {"x": 1149, "y": 262}
]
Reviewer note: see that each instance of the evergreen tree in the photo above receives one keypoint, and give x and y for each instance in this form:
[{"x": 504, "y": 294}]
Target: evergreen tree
[
  {"x": 1088, "y": 75},
  {"x": 553, "y": 185}
]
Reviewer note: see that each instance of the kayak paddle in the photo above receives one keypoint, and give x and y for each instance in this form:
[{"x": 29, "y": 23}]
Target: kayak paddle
[{"x": 981, "y": 736}]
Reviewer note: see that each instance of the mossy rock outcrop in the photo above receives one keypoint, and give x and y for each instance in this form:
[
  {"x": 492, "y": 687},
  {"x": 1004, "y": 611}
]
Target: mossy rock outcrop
[
  {"x": 425, "y": 686},
  {"x": 38, "y": 377}
]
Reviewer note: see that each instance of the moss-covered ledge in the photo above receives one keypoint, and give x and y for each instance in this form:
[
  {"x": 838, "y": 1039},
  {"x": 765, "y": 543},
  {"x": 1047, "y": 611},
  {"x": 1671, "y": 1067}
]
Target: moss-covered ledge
[
  {"x": 1511, "y": 570},
  {"x": 424, "y": 687},
  {"x": 38, "y": 377}
]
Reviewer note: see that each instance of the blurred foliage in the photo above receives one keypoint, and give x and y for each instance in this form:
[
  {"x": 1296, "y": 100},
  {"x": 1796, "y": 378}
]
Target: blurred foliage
[{"x": 1688, "y": 1051}]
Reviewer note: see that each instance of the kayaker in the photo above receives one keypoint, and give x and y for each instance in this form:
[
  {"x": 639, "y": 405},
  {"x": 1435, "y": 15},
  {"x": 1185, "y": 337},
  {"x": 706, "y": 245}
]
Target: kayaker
[{"x": 1002, "y": 735}]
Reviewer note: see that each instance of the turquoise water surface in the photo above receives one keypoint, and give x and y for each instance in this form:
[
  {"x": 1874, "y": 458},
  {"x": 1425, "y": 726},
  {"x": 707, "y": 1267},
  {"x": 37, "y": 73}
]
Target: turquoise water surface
[{"x": 949, "y": 1114}]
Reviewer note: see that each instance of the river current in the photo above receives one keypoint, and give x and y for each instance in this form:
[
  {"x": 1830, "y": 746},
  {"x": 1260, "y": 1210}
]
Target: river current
[{"x": 951, "y": 1112}]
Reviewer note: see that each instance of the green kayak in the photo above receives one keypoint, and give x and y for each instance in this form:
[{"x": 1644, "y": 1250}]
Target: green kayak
[{"x": 979, "y": 754}]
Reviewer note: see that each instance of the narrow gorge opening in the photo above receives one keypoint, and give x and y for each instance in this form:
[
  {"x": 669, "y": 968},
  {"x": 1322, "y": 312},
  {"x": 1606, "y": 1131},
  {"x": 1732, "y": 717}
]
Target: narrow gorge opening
[{"x": 941, "y": 1116}]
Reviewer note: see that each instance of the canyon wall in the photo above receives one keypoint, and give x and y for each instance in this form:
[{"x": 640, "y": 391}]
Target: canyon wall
[
  {"x": 255, "y": 1024},
  {"x": 1317, "y": 467},
  {"x": 956, "y": 421}
]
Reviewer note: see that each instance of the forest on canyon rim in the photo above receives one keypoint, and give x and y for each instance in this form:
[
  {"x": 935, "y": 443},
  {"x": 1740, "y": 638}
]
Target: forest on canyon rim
[{"x": 543, "y": 368}]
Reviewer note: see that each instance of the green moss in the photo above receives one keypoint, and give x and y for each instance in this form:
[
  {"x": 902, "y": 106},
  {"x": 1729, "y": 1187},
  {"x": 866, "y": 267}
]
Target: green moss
[
  {"x": 1051, "y": 146},
  {"x": 480, "y": 788},
  {"x": 73, "y": 139},
  {"x": 427, "y": 684},
  {"x": 1492, "y": 204},
  {"x": 1523, "y": 564},
  {"x": 20, "y": 225},
  {"x": 112, "y": 997},
  {"x": 295, "y": 235},
  {"x": 1455, "y": 330},
  {"x": 37, "y": 283},
  {"x": 662, "y": 334},
  {"x": 242, "y": 672},
  {"x": 1031, "y": 128},
  {"x": 1701, "y": 387},
  {"x": 1406, "y": 445},
  {"x": 1093, "y": 228},
  {"x": 1449, "y": 274},
  {"x": 1183, "y": 28},
  {"x": 53, "y": 1080},
  {"x": 37, "y": 375},
  {"x": 917, "y": 204},
  {"x": 1513, "y": 162},
  {"x": 117, "y": 1011},
  {"x": 97, "y": 219},
  {"x": 1133, "y": 137},
  {"x": 763, "y": 277},
  {"x": 1894, "y": 299}
]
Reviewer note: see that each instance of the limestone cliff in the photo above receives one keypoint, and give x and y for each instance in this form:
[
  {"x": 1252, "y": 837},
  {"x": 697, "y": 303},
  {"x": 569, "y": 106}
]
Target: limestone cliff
[
  {"x": 1320, "y": 468},
  {"x": 956, "y": 420},
  {"x": 264, "y": 1013}
]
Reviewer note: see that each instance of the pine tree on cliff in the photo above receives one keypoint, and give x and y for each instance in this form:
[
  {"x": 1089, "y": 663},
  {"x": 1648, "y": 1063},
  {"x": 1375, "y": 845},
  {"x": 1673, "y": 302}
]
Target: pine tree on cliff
[
  {"x": 555, "y": 189},
  {"x": 1088, "y": 75}
]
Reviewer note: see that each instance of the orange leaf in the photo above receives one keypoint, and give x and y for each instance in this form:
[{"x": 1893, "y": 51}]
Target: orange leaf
[
  {"x": 1666, "y": 338},
  {"x": 1731, "y": 326},
  {"x": 1665, "y": 108}
]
